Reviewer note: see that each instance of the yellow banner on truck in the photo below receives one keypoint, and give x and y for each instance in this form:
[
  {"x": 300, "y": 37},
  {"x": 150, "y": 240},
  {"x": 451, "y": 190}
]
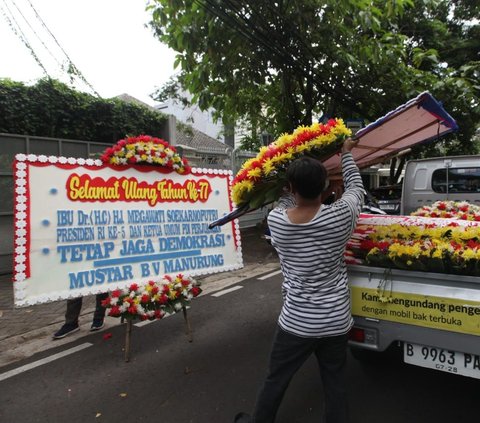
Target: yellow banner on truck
[{"x": 452, "y": 314}]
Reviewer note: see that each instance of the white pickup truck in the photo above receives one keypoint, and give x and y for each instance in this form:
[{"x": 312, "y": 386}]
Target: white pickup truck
[
  {"x": 433, "y": 317},
  {"x": 455, "y": 178}
]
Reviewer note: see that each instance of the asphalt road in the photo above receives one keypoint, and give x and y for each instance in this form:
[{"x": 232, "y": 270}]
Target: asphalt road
[{"x": 169, "y": 380}]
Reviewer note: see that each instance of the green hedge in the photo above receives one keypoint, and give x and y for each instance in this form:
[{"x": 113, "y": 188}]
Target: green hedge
[{"x": 52, "y": 109}]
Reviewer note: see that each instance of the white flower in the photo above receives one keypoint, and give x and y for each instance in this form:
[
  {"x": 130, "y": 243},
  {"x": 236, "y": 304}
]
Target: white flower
[
  {"x": 21, "y": 241},
  {"x": 20, "y": 223},
  {"x": 20, "y": 250},
  {"x": 21, "y": 215},
  {"x": 177, "y": 306},
  {"x": 20, "y": 268}
]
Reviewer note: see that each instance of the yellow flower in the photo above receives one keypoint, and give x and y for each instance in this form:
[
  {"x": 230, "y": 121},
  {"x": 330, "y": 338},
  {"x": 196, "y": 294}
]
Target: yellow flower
[
  {"x": 468, "y": 254},
  {"x": 238, "y": 190},
  {"x": 373, "y": 251},
  {"x": 248, "y": 163},
  {"x": 268, "y": 167},
  {"x": 255, "y": 173}
]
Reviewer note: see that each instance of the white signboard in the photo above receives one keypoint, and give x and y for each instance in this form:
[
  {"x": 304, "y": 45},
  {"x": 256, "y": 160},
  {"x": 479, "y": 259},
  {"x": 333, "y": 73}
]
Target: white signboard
[{"x": 83, "y": 227}]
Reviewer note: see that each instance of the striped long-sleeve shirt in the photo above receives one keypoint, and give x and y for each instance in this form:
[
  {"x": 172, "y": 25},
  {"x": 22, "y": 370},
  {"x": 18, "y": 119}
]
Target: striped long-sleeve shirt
[{"x": 315, "y": 289}]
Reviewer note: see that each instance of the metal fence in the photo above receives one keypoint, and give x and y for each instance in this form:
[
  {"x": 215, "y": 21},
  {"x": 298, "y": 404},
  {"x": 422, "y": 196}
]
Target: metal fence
[
  {"x": 11, "y": 144},
  {"x": 224, "y": 159}
]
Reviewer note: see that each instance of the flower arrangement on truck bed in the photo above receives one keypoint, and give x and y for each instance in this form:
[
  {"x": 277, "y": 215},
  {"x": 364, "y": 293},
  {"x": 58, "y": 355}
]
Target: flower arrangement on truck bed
[
  {"x": 450, "y": 210},
  {"x": 417, "y": 243}
]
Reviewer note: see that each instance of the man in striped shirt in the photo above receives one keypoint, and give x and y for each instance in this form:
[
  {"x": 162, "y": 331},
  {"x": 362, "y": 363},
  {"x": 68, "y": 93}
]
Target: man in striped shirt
[{"x": 310, "y": 239}]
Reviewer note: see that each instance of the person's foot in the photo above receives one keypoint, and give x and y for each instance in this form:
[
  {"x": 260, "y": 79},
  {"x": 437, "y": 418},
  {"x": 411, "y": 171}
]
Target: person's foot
[
  {"x": 97, "y": 325},
  {"x": 65, "y": 330},
  {"x": 243, "y": 418}
]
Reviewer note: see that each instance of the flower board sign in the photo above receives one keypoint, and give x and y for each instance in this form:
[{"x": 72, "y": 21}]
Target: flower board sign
[{"x": 84, "y": 226}]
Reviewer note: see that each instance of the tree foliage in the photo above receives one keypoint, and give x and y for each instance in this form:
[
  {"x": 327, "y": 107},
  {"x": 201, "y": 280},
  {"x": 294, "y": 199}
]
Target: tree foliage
[
  {"x": 52, "y": 109},
  {"x": 279, "y": 64}
]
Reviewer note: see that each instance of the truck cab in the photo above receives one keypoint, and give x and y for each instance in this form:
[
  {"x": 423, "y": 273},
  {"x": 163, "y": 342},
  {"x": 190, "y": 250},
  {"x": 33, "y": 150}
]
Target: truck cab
[{"x": 455, "y": 178}]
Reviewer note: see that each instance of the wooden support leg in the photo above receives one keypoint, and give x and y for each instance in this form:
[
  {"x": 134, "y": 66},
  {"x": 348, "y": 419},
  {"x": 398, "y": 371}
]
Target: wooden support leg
[
  {"x": 188, "y": 329},
  {"x": 127, "y": 339}
]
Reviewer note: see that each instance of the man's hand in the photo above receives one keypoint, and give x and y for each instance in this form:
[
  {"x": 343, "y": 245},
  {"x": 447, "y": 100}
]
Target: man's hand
[{"x": 348, "y": 145}]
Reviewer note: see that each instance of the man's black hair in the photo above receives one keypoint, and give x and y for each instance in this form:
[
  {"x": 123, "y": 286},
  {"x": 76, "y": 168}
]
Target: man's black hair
[{"x": 307, "y": 176}]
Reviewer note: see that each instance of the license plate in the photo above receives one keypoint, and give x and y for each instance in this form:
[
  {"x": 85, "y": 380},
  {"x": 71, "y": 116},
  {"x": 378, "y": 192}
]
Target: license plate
[
  {"x": 388, "y": 206},
  {"x": 444, "y": 360}
]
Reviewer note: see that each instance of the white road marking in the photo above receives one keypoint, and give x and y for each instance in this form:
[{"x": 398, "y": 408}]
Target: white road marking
[
  {"x": 227, "y": 291},
  {"x": 147, "y": 322},
  {"x": 144, "y": 323},
  {"x": 262, "y": 278},
  {"x": 45, "y": 360}
]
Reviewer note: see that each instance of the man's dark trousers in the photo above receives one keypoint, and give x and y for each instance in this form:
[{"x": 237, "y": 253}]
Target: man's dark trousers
[
  {"x": 74, "y": 306},
  {"x": 289, "y": 353}
]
